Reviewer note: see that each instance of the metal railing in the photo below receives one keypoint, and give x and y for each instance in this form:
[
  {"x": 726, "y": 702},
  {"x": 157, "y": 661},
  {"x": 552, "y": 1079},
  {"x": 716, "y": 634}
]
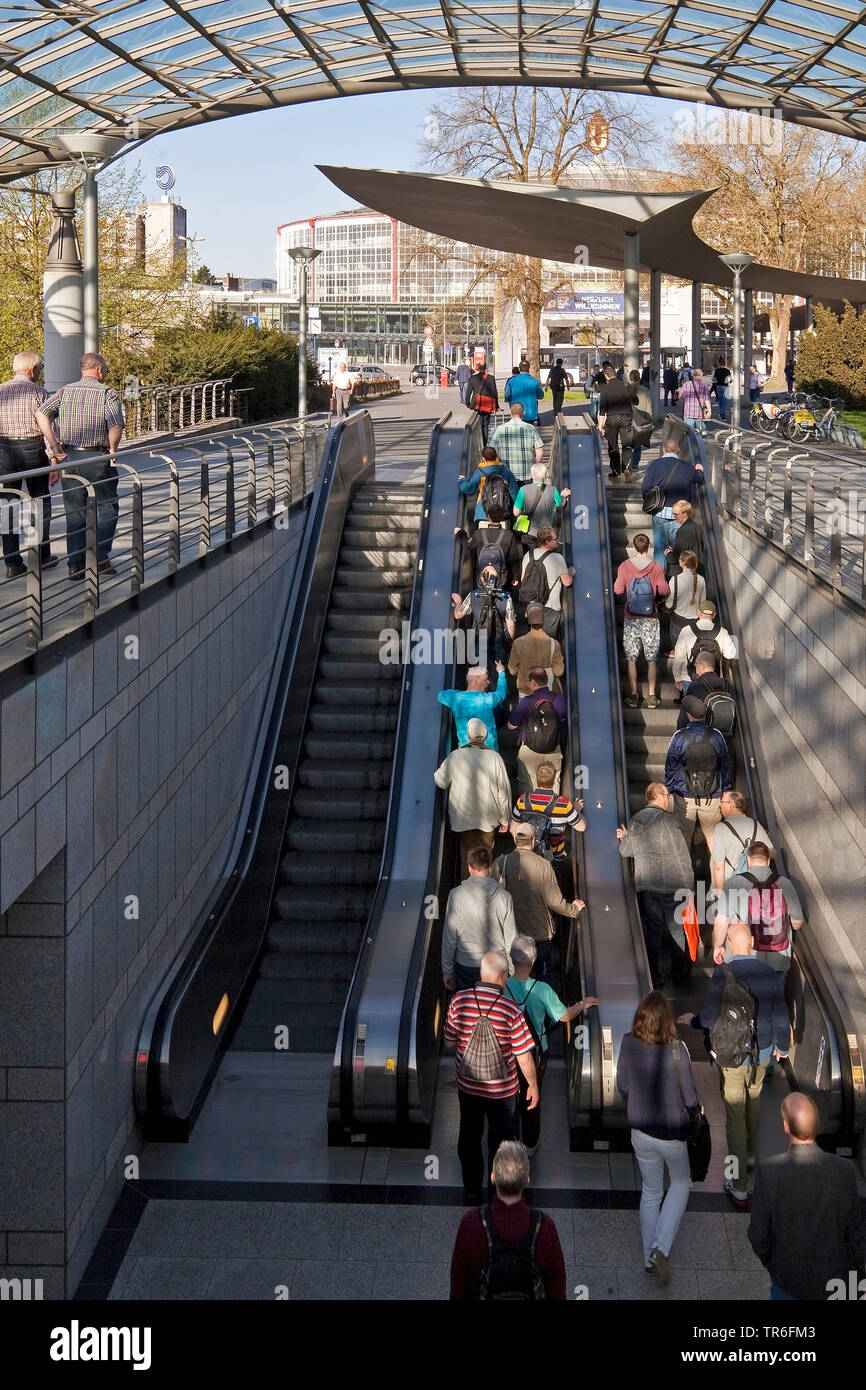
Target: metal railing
[
  {"x": 161, "y": 409},
  {"x": 173, "y": 504},
  {"x": 811, "y": 506}
]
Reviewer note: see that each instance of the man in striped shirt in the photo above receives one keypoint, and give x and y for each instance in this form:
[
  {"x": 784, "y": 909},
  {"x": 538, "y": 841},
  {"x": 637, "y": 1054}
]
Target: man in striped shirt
[
  {"x": 492, "y": 1101},
  {"x": 22, "y": 448},
  {"x": 90, "y": 424},
  {"x": 549, "y": 813}
]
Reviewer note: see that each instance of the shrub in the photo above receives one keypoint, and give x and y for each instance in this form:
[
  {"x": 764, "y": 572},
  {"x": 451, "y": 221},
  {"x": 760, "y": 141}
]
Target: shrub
[{"x": 832, "y": 360}]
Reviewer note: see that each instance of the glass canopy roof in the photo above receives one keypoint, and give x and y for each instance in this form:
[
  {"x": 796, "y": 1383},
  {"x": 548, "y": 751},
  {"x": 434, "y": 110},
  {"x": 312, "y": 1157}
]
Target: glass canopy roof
[{"x": 144, "y": 66}]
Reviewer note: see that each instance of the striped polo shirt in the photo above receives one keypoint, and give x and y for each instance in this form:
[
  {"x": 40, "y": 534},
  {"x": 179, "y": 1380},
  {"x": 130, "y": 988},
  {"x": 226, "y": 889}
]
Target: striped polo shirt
[
  {"x": 560, "y": 811},
  {"x": 509, "y": 1026}
]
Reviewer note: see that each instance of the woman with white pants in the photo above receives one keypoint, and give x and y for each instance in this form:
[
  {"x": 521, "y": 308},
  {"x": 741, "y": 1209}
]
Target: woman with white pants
[{"x": 660, "y": 1097}]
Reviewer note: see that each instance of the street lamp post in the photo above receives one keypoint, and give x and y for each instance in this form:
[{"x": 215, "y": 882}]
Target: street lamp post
[
  {"x": 737, "y": 262},
  {"x": 302, "y": 256},
  {"x": 91, "y": 152}
]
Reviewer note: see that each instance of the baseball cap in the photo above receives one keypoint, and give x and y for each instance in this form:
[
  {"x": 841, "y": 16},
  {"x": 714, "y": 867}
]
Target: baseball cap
[
  {"x": 694, "y": 705},
  {"x": 708, "y": 608},
  {"x": 476, "y": 728},
  {"x": 524, "y": 831},
  {"x": 534, "y": 613}
]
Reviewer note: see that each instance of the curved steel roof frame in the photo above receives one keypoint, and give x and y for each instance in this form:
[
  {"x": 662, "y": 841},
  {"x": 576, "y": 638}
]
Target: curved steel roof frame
[{"x": 147, "y": 66}]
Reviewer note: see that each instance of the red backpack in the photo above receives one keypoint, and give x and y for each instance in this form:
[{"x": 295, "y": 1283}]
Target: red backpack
[{"x": 484, "y": 401}]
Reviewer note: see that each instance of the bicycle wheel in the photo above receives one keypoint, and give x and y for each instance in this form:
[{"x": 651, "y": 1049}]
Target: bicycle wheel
[
  {"x": 795, "y": 430},
  {"x": 761, "y": 422}
]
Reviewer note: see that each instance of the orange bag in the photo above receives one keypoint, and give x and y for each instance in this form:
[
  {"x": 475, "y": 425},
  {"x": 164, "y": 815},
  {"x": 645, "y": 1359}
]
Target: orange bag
[{"x": 691, "y": 927}]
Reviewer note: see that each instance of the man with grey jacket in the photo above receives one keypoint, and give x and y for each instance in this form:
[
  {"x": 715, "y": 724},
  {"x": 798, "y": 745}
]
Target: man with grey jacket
[
  {"x": 479, "y": 918},
  {"x": 662, "y": 870}
]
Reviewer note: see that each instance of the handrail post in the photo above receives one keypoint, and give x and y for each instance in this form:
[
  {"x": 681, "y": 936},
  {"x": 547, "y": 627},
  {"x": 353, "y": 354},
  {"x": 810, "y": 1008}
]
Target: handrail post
[
  {"x": 173, "y": 539},
  {"x": 809, "y": 529},
  {"x": 787, "y": 508},
  {"x": 252, "y": 505},
  {"x": 137, "y": 528},
  {"x": 836, "y": 534}
]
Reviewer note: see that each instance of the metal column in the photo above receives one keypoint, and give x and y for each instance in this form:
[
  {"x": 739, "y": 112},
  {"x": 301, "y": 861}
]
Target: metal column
[
  {"x": 748, "y": 330},
  {"x": 91, "y": 263},
  {"x": 655, "y": 340},
  {"x": 697, "y": 351},
  {"x": 737, "y": 364},
  {"x": 631, "y": 324},
  {"x": 302, "y": 344},
  {"x": 62, "y": 298}
]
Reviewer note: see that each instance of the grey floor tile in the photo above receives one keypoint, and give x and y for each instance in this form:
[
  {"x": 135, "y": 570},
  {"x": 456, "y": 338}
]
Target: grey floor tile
[
  {"x": 173, "y": 1279},
  {"x": 736, "y": 1230},
  {"x": 306, "y": 1231},
  {"x": 251, "y": 1279},
  {"x": 381, "y": 1233},
  {"x": 122, "y": 1278},
  {"x": 438, "y": 1231},
  {"x": 409, "y": 1167},
  {"x": 602, "y": 1237},
  {"x": 624, "y": 1173},
  {"x": 633, "y": 1284},
  {"x": 334, "y": 1279},
  {"x": 375, "y": 1170},
  {"x": 562, "y": 1219},
  {"x": 733, "y": 1284},
  {"x": 411, "y": 1281},
  {"x": 593, "y": 1283},
  {"x": 701, "y": 1241},
  {"x": 194, "y": 1229}
]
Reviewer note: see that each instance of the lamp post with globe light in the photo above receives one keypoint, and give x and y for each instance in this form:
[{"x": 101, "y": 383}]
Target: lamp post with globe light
[
  {"x": 91, "y": 152},
  {"x": 303, "y": 256},
  {"x": 737, "y": 262}
]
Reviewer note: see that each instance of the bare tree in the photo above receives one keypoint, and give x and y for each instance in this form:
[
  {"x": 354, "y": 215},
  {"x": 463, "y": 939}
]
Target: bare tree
[
  {"x": 792, "y": 197},
  {"x": 528, "y": 135}
]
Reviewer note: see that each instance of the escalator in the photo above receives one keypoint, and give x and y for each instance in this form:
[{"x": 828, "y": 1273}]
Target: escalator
[{"x": 333, "y": 843}]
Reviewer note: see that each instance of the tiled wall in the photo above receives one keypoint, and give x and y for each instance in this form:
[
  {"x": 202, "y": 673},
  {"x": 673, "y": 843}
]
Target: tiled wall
[
  {"x": 122, "y": 764},
  {"x": 807, "y": 660}
]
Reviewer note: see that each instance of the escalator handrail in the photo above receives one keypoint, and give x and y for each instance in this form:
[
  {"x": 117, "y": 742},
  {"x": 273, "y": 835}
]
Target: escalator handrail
[
  {"x": 349, "y": 1021},
  {"x": 808, "y": 952}
]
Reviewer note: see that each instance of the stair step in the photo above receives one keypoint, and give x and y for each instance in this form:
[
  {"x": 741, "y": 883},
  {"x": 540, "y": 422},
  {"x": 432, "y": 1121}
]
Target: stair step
[
  {"x": 322, "y": 772},
  {"x": 349, "y": 600},
  {"x": 337, "y": 804},
  {"x": 335, "y": 720},
  {"x": 320, "y": 870},
  {"x": 355, "y": 750},
  {"x": 321, "y": 905},
  {"x": 324, "y": 938},
  {"x": 353, "y": 624},
  {"x": 355, "y": 693},
  {"x": 354, "y": 668},
  {"x": 358, "y": 558},
  {"x": 361, "y": 536},
  {"x": 376, "y": 579},
  {"x": 310, "y": 965},
  {"x": 366, "y": 646}
]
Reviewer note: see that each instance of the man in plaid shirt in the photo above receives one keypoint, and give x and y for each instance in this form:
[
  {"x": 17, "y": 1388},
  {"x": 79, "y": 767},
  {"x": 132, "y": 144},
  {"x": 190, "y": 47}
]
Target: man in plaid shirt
[
  {"x": 22, "y": 448},
  {"x": 518, "y": 444},
  {"x": 90, "y": 423}
]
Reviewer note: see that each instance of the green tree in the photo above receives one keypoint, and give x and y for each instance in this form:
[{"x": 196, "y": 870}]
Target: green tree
[
  {"x": 832, "y": 359},
  {"x": 203, "y": 276}
]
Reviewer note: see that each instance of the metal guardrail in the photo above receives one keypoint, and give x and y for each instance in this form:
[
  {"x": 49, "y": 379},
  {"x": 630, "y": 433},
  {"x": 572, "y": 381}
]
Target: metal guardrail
[
  {"x": 177, "y": 503},
  {"x": 811, "y": 506},
  {"x": 160, "y": 409}
]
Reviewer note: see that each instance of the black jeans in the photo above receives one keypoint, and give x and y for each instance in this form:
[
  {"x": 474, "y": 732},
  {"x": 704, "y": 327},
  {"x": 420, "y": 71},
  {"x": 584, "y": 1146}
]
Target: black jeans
[
  {"x": 530, "y": 1120},
  {"x": 502, "y": 1123},
  {"x": 660, "y": 927},
  {"x": 19, "y": 456},
  {"x": 558, "y": 398},
  {"x": 617, "y": 432},
  {"x": 484, "y": 417},
  {"x": 104, "y": 478}
]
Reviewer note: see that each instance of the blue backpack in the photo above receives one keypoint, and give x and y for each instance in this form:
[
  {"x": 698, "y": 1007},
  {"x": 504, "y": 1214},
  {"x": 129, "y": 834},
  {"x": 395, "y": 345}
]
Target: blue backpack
[{"x": 641, "y": 597}]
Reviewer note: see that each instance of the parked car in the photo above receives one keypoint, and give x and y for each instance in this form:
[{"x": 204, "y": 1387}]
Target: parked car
[
  {"x": 423, "y": 372},
  {"x": 368, "y": 372}
]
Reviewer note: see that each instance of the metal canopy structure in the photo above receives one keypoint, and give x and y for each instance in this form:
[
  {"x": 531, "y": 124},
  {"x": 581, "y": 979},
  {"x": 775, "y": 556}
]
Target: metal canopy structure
[{"x": 147, "y": 66}]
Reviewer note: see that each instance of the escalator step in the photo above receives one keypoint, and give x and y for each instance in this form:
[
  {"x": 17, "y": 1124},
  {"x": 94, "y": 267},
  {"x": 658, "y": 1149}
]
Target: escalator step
[
  {"x": 323, "y": 938},
  {"x": 366, "y": 645},
  {"x": 355, "y": 624},
  {"x": 356, "y": 750},
  {"x": 376, "y": 579},
  {"x": 336, "y": 804},
  {"x": 306, "y": 965},
  {"x": 333, "y": 719},
  {"x": 320, "y": 870},
  {"x": 334, "y": 668},
  {"x": 333, "y": 693},
  {"x": 381, "y": 537},
  {"x": 346, "y": 599},
  {"x": 254, "y": 1037},
  {"x": 307, "y": 838},
  {"x": 319, "y": 772},
  {"x": 321, "y": 904},
  {"x": 359, "y": 558}
]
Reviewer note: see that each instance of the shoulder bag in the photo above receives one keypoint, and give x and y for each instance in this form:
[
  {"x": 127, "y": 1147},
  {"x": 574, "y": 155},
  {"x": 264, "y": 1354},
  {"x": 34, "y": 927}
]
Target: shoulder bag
[
  {"x": 654, "y": 497},
  {"x": 698, "y": 1139}
]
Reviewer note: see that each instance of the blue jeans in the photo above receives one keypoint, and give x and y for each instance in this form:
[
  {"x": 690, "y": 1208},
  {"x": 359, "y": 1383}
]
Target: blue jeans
[
  {"x": 635, "y": 456},
  {"x": 104, "y": 478},
  {"x": 664, "y": 530},
  {"x": 778, "y": 1295},
  {"x": 660, "y": 1214},
  {"x": 722, "y": 398}
]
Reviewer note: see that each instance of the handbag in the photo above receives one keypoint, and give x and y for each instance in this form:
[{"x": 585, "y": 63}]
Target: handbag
[
  {"x": 523, "y": 522},
  {"x": 654, "y": 497},
  {"x": 641, "y": 427},
  {"x": 699, "y": 1143},
  {"x": 690, "y": 922}
]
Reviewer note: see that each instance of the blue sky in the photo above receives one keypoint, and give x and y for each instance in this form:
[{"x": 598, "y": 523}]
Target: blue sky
[{"x": 240, "y": 178}]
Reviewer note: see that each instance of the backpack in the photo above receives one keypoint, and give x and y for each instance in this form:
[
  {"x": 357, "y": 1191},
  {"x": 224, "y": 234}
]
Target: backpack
[
  {"x": 733, "y": 1036},
  {"x": 535, "y": 584},
  {"x": 742, "y": 863},
  {"x": 721, "y": 712},
  {"x": 510, "y": 1273},
  {"x": 482, "y": 1059},
  {"x": 492, "y": 555},
  {"x": 768, "y": 914},
  {"x": 525, "y": 1015},
  {"x": 704, "y": 642},
  {"x": 685, "y": 374},
  {"x": 641, "y": 597},
  {"x": 542, "y": 728},
  {"x": 700, "y": 764},
  {"x": 542, "y": 822},
  {"x": 495, "y": 493},
  {"x": 485, "y": 401}
]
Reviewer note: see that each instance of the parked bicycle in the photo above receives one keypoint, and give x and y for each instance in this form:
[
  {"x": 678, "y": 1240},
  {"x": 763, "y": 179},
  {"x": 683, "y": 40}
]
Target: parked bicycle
[{"x": 806, "y": 422}]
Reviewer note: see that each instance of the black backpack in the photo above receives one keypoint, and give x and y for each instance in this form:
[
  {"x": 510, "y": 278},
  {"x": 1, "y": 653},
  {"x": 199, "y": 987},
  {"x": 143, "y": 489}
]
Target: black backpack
[
  {"x": 733, "y": 1036},
  {"x": 495, "y": 494},
  {"x": 705, "y": 641},
  {"x": 541, "y": 822},
  {"x": 535, "y": 584},
  {"x": 701, "y": 764},
  {"x": 493, "y": 553},
  {"x": 721, "y": 712},
  {"x": 542, "y": 728},
  {"x": 510, "y": 1273}
]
